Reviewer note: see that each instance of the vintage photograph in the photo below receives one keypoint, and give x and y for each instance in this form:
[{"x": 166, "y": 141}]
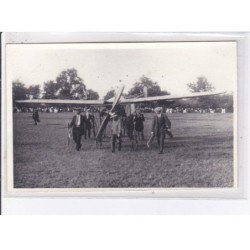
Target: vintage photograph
[{"x": 122, "y": 115}]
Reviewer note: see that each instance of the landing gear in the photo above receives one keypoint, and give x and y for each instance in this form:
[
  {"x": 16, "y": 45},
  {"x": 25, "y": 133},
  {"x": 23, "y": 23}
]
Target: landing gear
[{"x": 98, "y": 144}]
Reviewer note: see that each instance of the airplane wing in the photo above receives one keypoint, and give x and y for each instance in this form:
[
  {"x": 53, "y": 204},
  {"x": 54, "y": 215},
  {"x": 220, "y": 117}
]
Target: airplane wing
[
  {"x": 167, "y": 97},
  {"x": 121, "y": 101},
  {"x": 60, "y": 101}
]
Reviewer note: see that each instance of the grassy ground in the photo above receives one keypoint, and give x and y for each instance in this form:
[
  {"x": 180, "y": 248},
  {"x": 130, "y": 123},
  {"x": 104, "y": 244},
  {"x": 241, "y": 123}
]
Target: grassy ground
[{"x": 200, "y": 155}]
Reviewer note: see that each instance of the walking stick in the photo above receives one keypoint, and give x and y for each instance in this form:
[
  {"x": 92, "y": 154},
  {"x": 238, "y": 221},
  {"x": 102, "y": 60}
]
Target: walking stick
[
  {"x": 150, "y": 140},
  {"x": 68, "y": 134}
]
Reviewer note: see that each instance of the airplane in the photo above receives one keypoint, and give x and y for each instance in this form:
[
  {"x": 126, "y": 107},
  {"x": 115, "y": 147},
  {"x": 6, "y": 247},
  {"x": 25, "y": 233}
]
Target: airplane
[{"x": 115, "y": 101}]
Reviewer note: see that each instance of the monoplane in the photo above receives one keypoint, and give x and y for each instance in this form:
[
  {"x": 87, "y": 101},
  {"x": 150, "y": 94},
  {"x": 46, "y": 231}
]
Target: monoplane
[{"x": 115, "y": 102}]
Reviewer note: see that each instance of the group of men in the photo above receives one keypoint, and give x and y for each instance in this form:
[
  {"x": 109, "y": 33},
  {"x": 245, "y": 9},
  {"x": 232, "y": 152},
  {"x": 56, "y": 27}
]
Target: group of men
[
  {"x": 161, "y": 126},
  {"x": 134, "y": 126},
  {"x": 82, "y": 125}
]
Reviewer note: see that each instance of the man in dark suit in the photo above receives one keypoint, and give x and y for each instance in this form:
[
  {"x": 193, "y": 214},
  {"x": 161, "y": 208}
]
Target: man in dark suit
[
  {"x": 89, "y": 124},
  {"x": 139, "y": 127},
  {"x": 160, "y": 126},
  {"x": 35, "y": 116},
  {"x": 78, "y": 124},
  {"x": 129, "y": 124}
]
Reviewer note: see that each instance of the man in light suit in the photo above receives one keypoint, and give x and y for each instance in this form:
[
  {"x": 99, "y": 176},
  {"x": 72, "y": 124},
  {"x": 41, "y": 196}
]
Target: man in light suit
[
  {"x": 160, "y": 126},
  {"x": 78, "y": 125},
  {"x": 116, "y": 131}
]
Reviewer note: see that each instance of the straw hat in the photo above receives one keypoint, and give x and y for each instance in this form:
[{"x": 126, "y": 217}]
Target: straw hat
[{"x": 158, "y": 110}]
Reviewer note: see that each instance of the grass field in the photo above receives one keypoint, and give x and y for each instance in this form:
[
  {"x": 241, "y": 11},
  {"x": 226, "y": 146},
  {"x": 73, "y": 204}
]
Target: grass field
[{"x": 200, "y": 155}]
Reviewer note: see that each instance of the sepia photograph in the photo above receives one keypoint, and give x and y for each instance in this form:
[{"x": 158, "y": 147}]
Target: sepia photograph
[{"x": 147, "y": 115}]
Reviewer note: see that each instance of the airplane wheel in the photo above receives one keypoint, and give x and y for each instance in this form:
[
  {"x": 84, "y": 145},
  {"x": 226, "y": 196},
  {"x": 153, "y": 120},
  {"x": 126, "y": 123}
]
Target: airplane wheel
[{"x": 98, "y": 144}]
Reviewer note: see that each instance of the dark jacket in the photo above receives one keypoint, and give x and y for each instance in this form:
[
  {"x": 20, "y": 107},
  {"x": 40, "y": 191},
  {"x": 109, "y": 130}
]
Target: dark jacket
[
  {"x": 35, "y": 115},
  {"x": 89, "y": 121},
  {"x": 138, "y": 120},
  {"x": 160, "y": 124},
  {"x": 82, "y": 123},
  {"x": 129, "y": 121}
]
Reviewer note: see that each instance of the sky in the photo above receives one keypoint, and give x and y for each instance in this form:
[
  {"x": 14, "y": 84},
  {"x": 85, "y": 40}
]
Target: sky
[{"x": 104, "y": 66}]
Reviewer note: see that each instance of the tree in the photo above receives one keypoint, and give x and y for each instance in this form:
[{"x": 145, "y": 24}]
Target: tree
[
  {"x": 221, "y": 101},
  {"x": 71, "y": 86},
  {"x": 213, "y": 102},
  {"x": 68, "y": 85},
  {"x": 34, "y": 91},
  {"x": 153, "y": 88},
  {"x": 92, "y": 95},
  {"x": 227, "y": 102},
  {"x": 110, "y": 94},
  {"x": 51, "y": 90},
  {"x": 19, "y": 91},
  {"x": 202, "y": 85}
]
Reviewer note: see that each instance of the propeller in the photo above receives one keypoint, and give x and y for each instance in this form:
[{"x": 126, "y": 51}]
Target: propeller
[{"x": 107, "y": 118}]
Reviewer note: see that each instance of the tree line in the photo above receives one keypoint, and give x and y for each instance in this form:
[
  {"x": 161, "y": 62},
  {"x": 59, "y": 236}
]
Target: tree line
[{"x": 68, "y": 85}]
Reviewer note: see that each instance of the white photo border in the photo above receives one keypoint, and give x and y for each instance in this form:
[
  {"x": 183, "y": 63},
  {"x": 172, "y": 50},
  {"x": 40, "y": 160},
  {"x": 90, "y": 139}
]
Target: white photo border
[{"x": 238, "y": 192}]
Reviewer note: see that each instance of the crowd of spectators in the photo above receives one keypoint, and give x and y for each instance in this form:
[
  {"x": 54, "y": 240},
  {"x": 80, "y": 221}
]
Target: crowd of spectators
[
  {"x": 144, "y": 110},
  {"x": 189, "y": 110},
  {"x": 45, "y": 109}
]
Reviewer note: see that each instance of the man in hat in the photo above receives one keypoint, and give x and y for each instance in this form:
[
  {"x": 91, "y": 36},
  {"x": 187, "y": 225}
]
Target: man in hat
[
  {"x": 89, "y": 124},
  {"x": 116, "y": 129},
  {"x": 78, "y": 124},
  {"x": 160, "y": 125}
]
